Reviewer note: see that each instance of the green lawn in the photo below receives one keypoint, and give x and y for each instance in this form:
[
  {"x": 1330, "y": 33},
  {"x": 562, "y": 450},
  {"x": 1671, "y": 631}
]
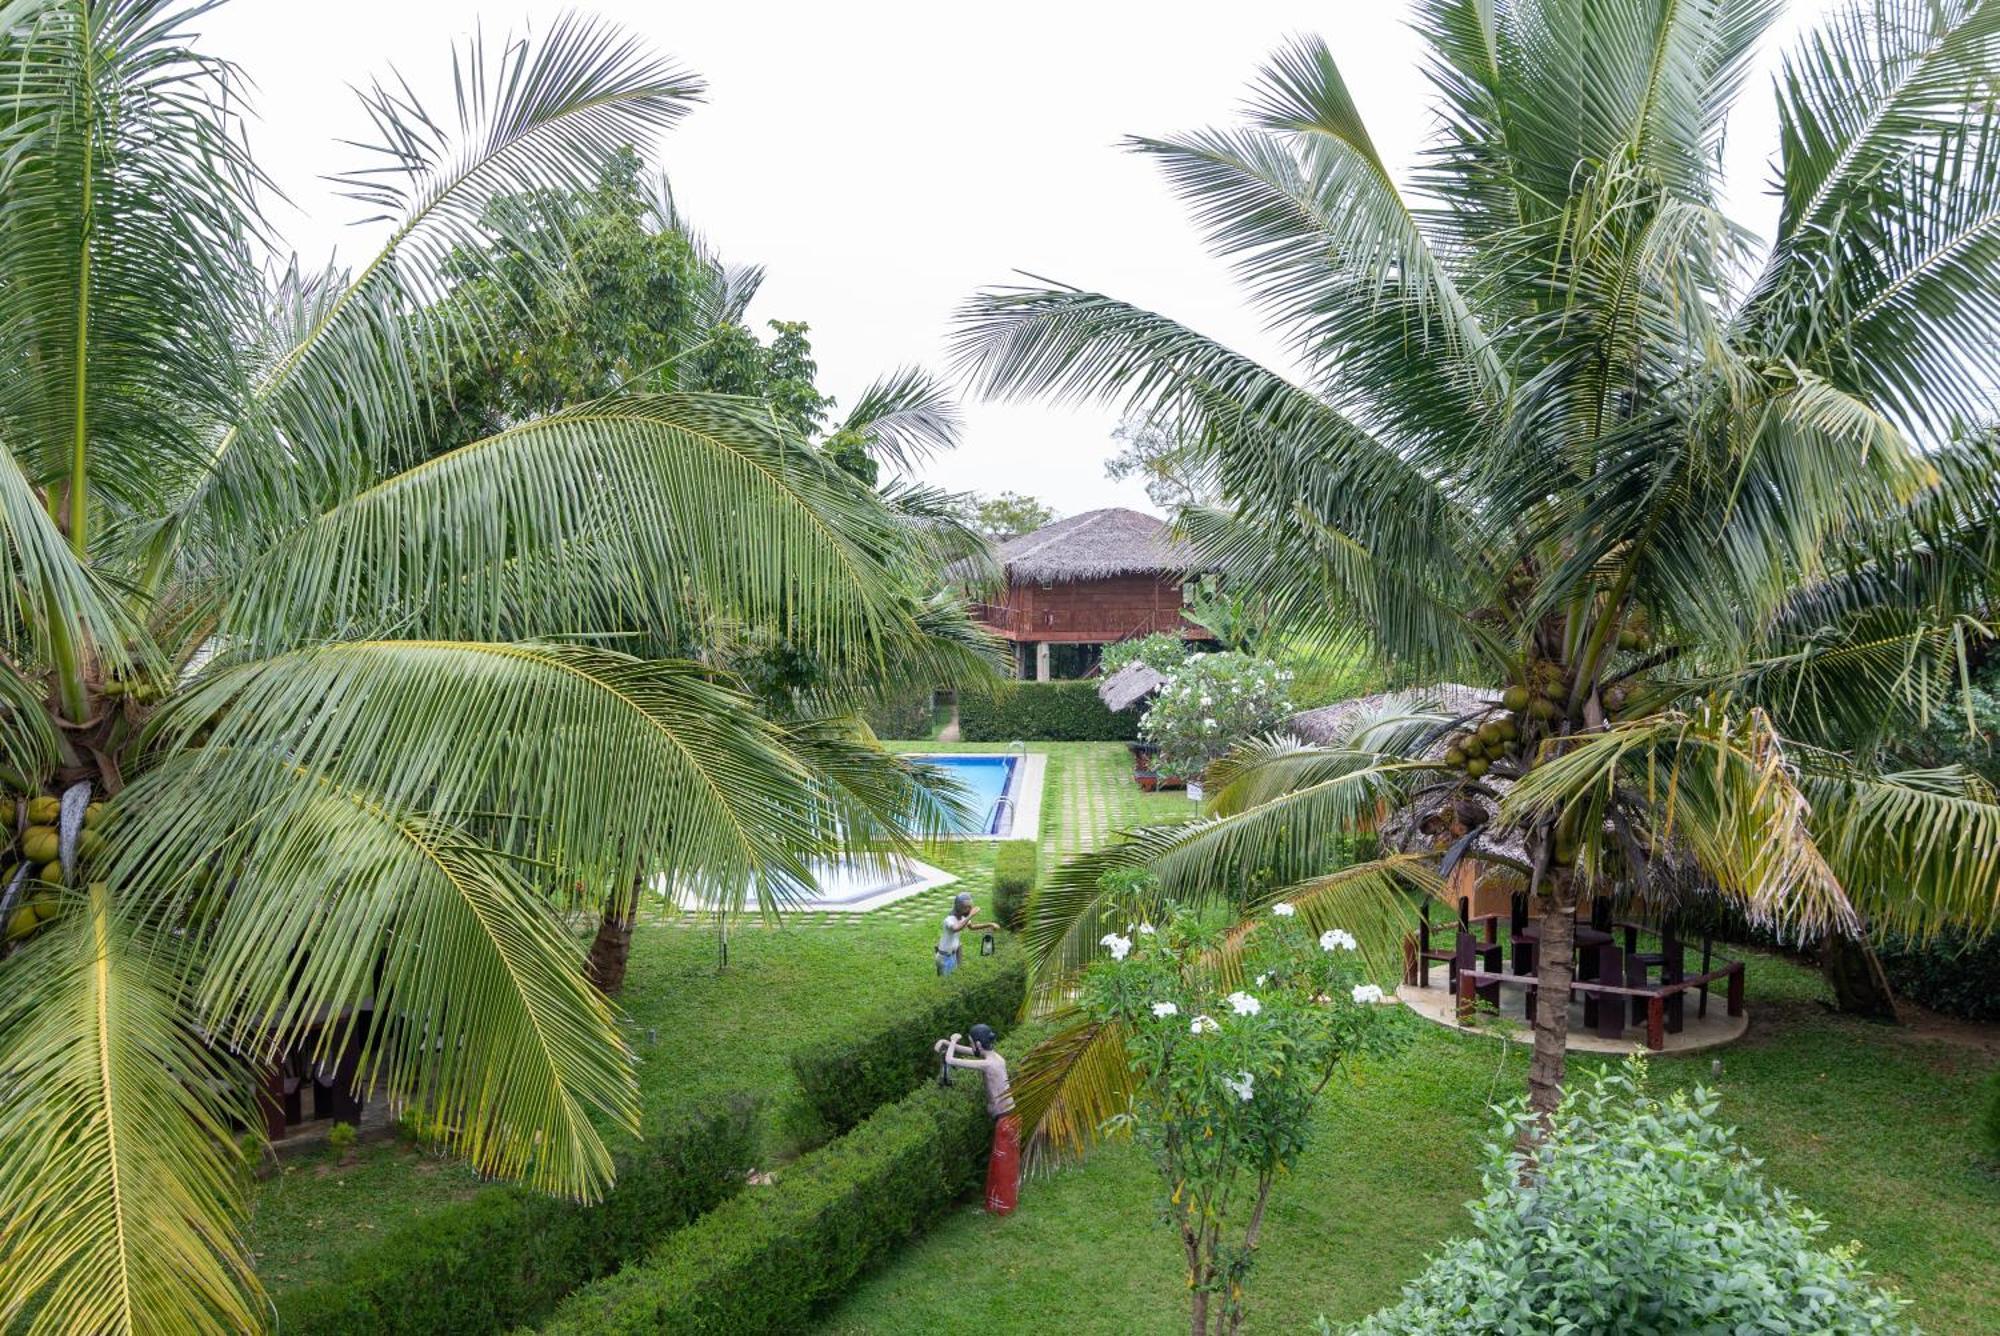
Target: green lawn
[{"x": 1871, "y": 1127}]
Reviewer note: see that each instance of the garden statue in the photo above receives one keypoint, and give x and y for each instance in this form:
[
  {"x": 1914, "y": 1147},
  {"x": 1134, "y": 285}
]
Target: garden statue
[
  {"x": 1003, "y": 1168},
  {"x": 949, "y": 952}
]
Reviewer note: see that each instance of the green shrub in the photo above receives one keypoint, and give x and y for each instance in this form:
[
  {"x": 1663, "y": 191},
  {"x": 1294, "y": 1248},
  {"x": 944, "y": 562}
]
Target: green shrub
[
  {"x": 771, "y": 1258},
  {"x": 1041, "y": 712},
  {"x": 1645, "y": 1218},
  {"x": 1014, "y": 871},
  {"x": 1949, "y": 972},
  {"x": 1161, "y": 651},
  {"x": 509, "y": 1255},
  {"x": 845, "y": 1082},
  {"x": 902, "y": 714}
]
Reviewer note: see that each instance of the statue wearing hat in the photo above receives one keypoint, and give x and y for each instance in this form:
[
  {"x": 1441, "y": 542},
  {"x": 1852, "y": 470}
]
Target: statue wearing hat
[
  {"x": 949, "y": 951},
  {"x": 1003, "y": 1167}
]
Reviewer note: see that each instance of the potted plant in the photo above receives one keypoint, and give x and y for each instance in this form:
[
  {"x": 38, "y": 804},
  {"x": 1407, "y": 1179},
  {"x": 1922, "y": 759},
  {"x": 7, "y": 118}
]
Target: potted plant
[{"x": 1209, "y": 704}]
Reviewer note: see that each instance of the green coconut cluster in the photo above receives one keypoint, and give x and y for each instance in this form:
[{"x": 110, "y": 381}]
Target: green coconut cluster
[{"x": 37, "y": 841}]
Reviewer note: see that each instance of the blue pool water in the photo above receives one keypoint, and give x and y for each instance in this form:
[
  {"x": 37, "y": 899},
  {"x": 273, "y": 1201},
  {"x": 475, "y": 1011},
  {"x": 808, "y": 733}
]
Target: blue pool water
[{"x": 984, "y": 779}]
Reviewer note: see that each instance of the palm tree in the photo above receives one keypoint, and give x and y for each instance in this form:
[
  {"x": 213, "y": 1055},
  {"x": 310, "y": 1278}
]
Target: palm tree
[
  {"x": 300, "y": 722},
  {"x": 1706, "y": 516}
]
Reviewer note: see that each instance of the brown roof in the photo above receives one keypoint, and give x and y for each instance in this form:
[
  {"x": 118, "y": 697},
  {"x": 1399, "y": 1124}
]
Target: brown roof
[
  {"x": 1096, "y": 545},
  {"x": 1130, "y": 685}
]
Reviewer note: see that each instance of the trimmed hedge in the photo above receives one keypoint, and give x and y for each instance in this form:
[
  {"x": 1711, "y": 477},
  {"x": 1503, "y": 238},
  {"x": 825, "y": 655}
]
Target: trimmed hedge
[
  {"x": 904, "y": 714},
  {"x": 844, "y": 1083},
  {"x": 1014, "y": 871},
  {"x": 769, "y": 1259},
  {"x": 1951, "y": 973},
  {"x": 1041, "y": 712},
  {"x": 510, "y": 1255}
]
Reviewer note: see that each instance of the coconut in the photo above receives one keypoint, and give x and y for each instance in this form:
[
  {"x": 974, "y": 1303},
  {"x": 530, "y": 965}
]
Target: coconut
[
  {"x": 93, "y": 815},
  {"x": 41, "y": 844},
  {"x": 22, "y": 922},
  {"x": 1516, "y": 698},
  {"x": 1454, "y": 757},
  {"x": 90, "y": 844},
  {"x": 44, "y": 811},
  {"x": 52, "y": 873},
  {"x": 1544, "y": 708},
  {"x": 1476, "y": 767},
  {"x": 1509, "y": 730},
  {"x": 1490, "y": 732},
  {"x": 47, "y": 907}
]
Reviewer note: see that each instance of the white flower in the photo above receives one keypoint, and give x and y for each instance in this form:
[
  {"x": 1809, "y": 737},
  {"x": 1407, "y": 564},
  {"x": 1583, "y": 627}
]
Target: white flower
[
  {"x": 1203, "y": 1025},
  {"x": 1145, "y": 930},
  {"x": 1263, "y": 979},
  {"x": 1367, "y": 994},
  {"x": 1284, "y": 909},
  {"x": 1162, "y": 1010},
  {"x": 1336, "y": 939},
  {"x": 1244, "y": 1086},
  {"x": 1116, "y": 945},
  {"x": 1243, "y": 1004}
]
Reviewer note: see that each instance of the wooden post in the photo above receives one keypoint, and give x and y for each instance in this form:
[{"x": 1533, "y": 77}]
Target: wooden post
[
  {"x": 1736, "y": 990},
  {"x": 1656, "y": 1013},
  {"x": 1611, "y": 1009},
  {"x": 1041, "y": 661},
  {"x": 1413, "y": 962},
  {"x": 1465, "y": 1009}
]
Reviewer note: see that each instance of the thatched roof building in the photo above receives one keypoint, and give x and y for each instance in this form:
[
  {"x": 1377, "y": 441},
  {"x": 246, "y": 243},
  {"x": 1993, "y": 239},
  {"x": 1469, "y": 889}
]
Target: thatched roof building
[
  {"x": 1079, "y": 584},
  {"x": 1096, "y": 545}
]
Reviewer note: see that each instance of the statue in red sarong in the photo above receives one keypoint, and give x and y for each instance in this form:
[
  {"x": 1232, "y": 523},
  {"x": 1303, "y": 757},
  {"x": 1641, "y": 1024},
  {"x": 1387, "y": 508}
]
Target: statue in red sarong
[{"x": 1003, "y": 1168}]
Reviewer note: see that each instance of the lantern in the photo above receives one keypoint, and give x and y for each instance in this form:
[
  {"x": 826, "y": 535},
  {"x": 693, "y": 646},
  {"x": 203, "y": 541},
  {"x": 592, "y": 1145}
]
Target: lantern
[{"x": 986, "y": 944}]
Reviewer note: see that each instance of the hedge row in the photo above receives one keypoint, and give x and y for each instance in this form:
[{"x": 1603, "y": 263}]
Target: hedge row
[
  {"x": 1041, "y": 712},
  {"x": 1950, "y": 972},
  {"x": 846, "y": 1082},
  {"x": 1014, "y": 870},
  {"x": 907, "y": 713},
  {"x": 510, "y": 1255},
  {"x": 769, "y": 1259}
]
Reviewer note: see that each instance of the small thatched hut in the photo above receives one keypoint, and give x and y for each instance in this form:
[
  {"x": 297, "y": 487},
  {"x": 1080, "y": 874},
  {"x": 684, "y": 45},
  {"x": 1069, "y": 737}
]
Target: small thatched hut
[{"x": 1079, "y": 584}]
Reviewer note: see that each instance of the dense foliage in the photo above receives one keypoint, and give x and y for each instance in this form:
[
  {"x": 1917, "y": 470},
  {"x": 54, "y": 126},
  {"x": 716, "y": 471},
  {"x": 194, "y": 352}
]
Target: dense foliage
[
  {"x": 1161, "y": 651},
  {"x": 1705, "y": 519},
  {"x": 1016, "y": 864},
  {"x": 846, "y": 1082},
  {"x": 1231, "y": 1041},
  {"x": 1005, "y": 514},
  {"x": 506, "y": 1257},
  {"x": 1641, "y": 1217},
  {"x": 1950, "y": 971},
  {"x": 1212, "y": 704},
  {"x": 1041, "y": 712},
  {"x": 769, "y": 1260}
]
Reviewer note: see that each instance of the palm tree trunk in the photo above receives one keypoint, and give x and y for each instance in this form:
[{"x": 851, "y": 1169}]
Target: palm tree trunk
[
  {"x": 611, "y": 949},
  {"x": 1555, "y": 970},
  {"x": 1854, "y": 973}
]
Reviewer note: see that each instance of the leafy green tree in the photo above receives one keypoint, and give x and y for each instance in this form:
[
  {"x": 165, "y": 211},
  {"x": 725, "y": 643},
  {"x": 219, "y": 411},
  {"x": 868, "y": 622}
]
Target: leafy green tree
[
  {"x": 1153, "y": 451},
  {"x": 1007, "y": 514},
  {"x": 306, "y": 720},
  {"x": 1700, "y": 514}
]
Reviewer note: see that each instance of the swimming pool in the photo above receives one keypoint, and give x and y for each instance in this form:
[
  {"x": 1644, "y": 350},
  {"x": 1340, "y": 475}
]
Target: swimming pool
[{"x": 984, "y": 781}]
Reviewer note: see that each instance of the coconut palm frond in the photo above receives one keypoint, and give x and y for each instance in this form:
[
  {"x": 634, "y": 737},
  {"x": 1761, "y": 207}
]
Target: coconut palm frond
[
  {"x": 1723, "y": 786},
  {"x": 1067, "y": 1086},
  {"x": 1370, "y": 899},
  {"x": 123, "y": 1183},
  {"x": 314, "y": 897},
  {"x": 906, "y": 417},
  {"x": 1916, "y": 850},
  {"x": 341, "y": 393},
  {"x": 562, "y": 524}
]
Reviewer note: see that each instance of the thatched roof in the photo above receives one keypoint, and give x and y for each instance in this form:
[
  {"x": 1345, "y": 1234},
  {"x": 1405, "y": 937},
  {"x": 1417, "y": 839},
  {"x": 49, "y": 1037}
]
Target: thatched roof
[
  {"x": 1096, "y": 545},
  {"x": 1130, "y": 685},
  {"x": 1333, "y": 723}
]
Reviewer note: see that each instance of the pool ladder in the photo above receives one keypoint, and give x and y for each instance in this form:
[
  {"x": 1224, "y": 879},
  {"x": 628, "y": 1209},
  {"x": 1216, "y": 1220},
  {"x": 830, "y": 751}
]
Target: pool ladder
[
  {"x": 993, "y": 818},
  {"x": 1018, "y": 747}
]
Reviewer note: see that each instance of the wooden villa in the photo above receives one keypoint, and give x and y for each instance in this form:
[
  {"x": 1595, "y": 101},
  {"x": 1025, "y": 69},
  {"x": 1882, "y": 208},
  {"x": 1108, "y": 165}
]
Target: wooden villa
[{"x": 1079, "y": 584}]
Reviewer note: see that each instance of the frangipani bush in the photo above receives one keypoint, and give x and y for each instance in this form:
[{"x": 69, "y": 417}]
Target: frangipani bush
[
  {"x": 1162, "y": 651},
  {"x": 1211, "y": 703},
  {"x": 1231, "y": 1040}
]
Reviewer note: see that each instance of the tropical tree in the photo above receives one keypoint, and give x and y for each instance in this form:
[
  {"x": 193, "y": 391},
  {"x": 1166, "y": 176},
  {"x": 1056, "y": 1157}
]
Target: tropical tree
[
  {"x": 304, "y": 718},
  {"x": 1706, "y": 517}
]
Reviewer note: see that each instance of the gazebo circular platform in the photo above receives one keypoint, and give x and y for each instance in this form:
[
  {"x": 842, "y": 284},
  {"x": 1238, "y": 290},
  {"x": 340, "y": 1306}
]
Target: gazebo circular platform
[{"x": 1697, "y": 1032}]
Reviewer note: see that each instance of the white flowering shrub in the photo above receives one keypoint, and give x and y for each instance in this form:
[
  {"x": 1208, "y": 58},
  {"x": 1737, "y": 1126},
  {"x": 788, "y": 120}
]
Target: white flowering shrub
[
  {"x": 1642, "y": 1218},
  {"x": 1211, "y": 703},
  {"x": 1227, "y": 1070}
]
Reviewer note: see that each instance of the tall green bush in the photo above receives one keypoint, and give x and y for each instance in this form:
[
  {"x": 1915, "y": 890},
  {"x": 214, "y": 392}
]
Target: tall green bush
[
  {"x": 509, "y": 1255},
  {"x": 1989, "y": 1118},
  {"x": 1161, "y": 651},
  {"x": 846, "y": 1082},
  {"x": 902, "y": 714},
  {"x": 1015, "y": 864},
  {"x": 773, "y": 1257},
  {"x": 1041, "y": 712},
  {"x": 1644, "y": 1218}
]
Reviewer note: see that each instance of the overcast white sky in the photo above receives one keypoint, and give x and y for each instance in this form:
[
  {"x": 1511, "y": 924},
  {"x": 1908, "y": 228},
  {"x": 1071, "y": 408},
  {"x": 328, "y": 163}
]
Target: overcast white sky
[{"x": 884, "y": 159}]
